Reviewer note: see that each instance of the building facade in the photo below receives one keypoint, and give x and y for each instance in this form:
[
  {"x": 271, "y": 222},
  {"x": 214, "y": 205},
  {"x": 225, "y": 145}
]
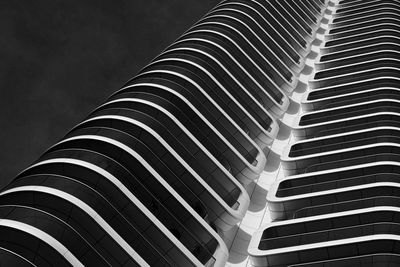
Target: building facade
[{"x": 266, "y": 135}]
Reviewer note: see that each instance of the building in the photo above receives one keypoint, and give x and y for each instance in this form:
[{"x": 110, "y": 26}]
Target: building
[{"x": 277, "y": 110}]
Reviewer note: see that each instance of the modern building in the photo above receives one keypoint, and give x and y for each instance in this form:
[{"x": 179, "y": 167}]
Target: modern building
[
  {"x": 266, "y": 135},
  {"x": 337, "y": 204}
]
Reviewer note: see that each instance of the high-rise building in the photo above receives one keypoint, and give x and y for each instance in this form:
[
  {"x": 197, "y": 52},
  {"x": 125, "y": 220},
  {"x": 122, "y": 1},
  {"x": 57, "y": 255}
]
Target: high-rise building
[{"x": 266, "y": 135}]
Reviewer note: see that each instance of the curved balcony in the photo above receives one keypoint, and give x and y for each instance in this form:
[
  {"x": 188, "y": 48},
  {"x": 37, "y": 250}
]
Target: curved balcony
[
  {"x": 343, "y": 14},
  {"x": 357, "y": 20},
  {"x": 61, "y": 231},
  {"x": 374, "y": 201},
  {"x": 248, "y": 155},
  {"x": 206, "y": 200},
  {"x": 26, "y": 245},
  {"x": 263, "y": 31},
  {"x": 287, "y": 23},
  {"x": 382, "y": 51},
  {"x": 263, "y": 23},
  {"x": 263, "y": 92},
  {"x": 345, "y": 4},
  {"x": 280, "y": 10},
  {"x": 185, "y": 132},
  {"x": 327, "y": 75},
  {"x": 197, "y": 97},
  {"x": 311, "y": 13},
  {"x": 326, "y": 238},
  {"x": 351, "y": 98},
  {"x": 312, "y": 100},
  {"x": 250, "y": 28},
  {"x": 351, "y": 187},
  {"x": 348, "y": 118},
  {"x": 342, "y": 158},
  {"x": 210, "y": 113},
  {"x": 129, "y": 210},
  {"x": 254, "y": 47},
  {"x": 261, "y": 126},
  {"x": 317, "y": 154},
  {"x": 355, "y": 31},
  {"x": 244, "y": 166},
  {"x": 44, "y": 193},
  {"x": 381, "y": 69},
  {"x": 345, "y": 141},
  {"x": 279, "y": 25},
  {"x": 347, "y": 28},
  {"x": 225, "y": 198},
  {"x": 297, "y": 16},
  {"x": 249, "y": 56},
  {"x": 361, "y": 41},
  {"x": 349, "y": 111}
]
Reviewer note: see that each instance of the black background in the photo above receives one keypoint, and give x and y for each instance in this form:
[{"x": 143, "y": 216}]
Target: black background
[{"x": 60, "y": 59}]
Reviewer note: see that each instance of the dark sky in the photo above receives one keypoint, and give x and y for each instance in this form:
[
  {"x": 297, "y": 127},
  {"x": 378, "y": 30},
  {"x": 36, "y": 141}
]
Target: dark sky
[{"x": 60, "y": 59}]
